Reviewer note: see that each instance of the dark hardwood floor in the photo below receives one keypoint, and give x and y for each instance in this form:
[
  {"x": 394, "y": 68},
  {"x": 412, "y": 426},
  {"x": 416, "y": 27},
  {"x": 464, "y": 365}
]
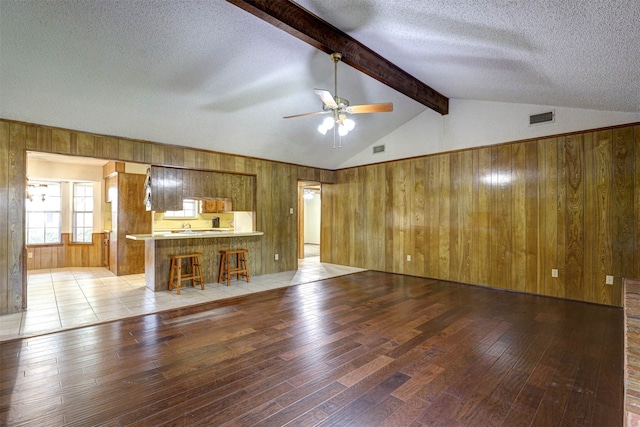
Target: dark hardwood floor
[{"x": 366, "y": 349}]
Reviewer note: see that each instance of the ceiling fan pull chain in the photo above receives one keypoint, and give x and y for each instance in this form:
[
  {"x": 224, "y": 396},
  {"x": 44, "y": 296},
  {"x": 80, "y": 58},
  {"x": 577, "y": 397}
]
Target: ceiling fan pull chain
[{"x": 334, "y": 137}]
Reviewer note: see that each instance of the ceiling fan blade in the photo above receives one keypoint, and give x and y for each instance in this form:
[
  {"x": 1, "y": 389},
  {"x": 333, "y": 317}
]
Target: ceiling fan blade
[
  {"x": 326, "y": 97},
  {"x": 306, "y": 114},
  {"x": 385, "y": 107}
]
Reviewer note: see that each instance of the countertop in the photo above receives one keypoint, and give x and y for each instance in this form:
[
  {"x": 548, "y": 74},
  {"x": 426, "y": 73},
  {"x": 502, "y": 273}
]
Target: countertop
[{"x": 193, "y": 234}]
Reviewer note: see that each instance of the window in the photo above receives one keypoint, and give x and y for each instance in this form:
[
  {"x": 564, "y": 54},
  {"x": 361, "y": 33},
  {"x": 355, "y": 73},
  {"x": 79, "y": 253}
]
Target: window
[
  {"x": 188, "y": 210},
  {"x": 43, "y": 213},
  {"x": 82, "y": 212}
]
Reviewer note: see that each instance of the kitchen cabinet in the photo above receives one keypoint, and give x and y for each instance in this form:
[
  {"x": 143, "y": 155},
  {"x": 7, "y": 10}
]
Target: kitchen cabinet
[
  {"x": 165, "y": 191},
  {"x": 128, "y": 216},
  {"x": 215, "y": 205}
]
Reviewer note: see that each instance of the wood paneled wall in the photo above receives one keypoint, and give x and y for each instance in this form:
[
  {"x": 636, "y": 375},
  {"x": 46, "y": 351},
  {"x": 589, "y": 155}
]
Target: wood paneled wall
[
  {"x": 502, "y": 216},
  {"x": 66, "y": 254},
  {"x": 276, "y": 191}
]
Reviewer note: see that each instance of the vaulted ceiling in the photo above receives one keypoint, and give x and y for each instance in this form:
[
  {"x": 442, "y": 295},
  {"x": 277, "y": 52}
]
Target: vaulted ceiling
[{"x": 210, "y": 75}]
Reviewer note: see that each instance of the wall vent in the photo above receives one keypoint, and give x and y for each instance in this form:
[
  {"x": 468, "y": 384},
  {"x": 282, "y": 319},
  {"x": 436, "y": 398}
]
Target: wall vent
[
  {"x": 378, "y": 149},
  {"x": 548, "y": 117}
]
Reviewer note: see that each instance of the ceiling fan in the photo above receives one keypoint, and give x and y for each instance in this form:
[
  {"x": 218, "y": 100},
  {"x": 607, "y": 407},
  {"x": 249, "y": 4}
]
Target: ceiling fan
[{"x": 339, "y": 108}]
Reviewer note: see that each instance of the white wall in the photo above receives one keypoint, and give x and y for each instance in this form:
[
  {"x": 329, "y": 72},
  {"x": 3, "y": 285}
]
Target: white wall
[
  {"x": 478, "y": 123},
  {"x": 312, "y": 220}
]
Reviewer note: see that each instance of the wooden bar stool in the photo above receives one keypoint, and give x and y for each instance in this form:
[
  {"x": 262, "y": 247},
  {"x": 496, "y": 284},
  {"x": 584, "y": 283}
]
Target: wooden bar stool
[
  {"x": 175, "y": 274},
  {"x": 226, "y": 270}
]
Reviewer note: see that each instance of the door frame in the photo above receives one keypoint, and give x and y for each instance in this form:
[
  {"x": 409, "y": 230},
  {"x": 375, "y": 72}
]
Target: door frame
[{"x": 301, "y": 186}]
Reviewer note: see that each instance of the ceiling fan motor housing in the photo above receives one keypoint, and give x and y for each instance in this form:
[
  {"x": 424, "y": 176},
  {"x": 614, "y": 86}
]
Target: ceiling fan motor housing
[{"x": 342, "y": 103}]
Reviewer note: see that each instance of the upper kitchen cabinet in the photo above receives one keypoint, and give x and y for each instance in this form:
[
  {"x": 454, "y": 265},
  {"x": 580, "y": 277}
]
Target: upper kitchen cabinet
[
  {"x": 169, "y": 186},
  {"x": 215, "y": 205},
  {"x": 165, "y": 191}
]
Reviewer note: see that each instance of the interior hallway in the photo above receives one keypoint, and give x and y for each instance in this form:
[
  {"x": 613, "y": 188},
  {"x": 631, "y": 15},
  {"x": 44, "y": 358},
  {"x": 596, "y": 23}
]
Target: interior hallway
[{"x": 65, "y": 298}]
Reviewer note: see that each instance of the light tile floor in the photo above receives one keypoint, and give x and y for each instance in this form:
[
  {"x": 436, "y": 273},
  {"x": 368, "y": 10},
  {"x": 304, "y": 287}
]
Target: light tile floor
[{"x": 66, "y": 298}]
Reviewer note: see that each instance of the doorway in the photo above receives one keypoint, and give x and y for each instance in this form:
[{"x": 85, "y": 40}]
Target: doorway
[{"x": 309, "y": 208}]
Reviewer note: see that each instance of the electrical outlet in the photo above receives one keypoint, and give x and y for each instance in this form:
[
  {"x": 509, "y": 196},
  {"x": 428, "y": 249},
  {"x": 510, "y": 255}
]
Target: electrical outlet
[
  {"x": 30, "y": 255},
  {"x": 554, "y": 272},
  {"x": 609, "y": 280},
  {"x": 277, "y": 257},
  {"x": 408, "y": 257},
  {"x": 291, "y": 211}
]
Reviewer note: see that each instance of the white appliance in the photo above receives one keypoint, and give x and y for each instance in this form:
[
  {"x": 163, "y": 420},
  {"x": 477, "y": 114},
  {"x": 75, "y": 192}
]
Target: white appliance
[{"x": 244, "y": 221}]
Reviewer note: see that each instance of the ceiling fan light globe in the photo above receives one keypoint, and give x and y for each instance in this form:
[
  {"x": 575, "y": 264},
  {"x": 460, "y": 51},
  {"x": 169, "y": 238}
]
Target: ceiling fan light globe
[
  {"x": 349, "y": 124},
  {"x": 342, "y": 130},
  {"x": 328, "y": 123},
  {"x": 323, "y": 130}
]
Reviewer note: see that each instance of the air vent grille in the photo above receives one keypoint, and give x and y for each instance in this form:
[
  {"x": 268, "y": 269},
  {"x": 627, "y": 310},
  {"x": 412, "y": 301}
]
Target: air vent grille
[
  {"x": 541, "y": 118},
  {"x": 378, "y": 149}
]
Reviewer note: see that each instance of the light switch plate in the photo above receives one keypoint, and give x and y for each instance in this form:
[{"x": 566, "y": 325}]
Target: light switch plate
[
  {"x": 554, "y": 273},
  {"x": 609, "y": 280}
]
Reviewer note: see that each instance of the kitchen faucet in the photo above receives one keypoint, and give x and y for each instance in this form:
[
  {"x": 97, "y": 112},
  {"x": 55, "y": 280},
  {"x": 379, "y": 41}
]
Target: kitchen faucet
[{"x": 186, "y": 225}]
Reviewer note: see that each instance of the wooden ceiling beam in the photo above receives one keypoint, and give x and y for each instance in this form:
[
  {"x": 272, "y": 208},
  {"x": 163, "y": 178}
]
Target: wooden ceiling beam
[{"x": 299, "y": 22}]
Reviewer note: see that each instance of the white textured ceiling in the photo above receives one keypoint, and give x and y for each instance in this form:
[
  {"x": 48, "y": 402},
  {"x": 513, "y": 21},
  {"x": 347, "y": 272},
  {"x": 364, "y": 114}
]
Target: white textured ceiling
[{"x": 207, "y": 74}]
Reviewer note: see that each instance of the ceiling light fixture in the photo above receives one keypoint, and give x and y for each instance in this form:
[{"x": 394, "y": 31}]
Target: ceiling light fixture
[
  {"x": 339, "y": 108},
  {"x": 38, "y": 189},
  {"x": 343, "y": 127}
]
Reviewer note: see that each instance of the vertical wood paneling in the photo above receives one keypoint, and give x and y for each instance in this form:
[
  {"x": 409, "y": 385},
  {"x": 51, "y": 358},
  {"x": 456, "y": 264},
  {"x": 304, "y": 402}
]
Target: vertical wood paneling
[
  {"x": 455, "y": 211},
  {"x": 361, "y": 218},
  {"x": 466, "y": 217},
  {"x": 549, "y": 213},
  {"x": 432, "y": 216},
  {"x": 66, "y": 254},
  {"x": 532, "y": 212},
  {"x": 401, "y": 239},
  {"x": 327, "y": 223},
  {"x": 502, "y": 247},
  {"x": 562, "y": 214},
  {"x": 444, "y": 196},
  {"x": 574, "y": 229},
  {"x": 417, "y": 227},
  {"x": 389, "y": 215},
  {"x": 589, "y": 220},
  {"x": 110, "y": 147},
  {"x": 519, "y": 217},
  {"x": 481, "y": 266},
  {"x": 602, "y": 170},
  {"x": 505, "y": 216},
  {"x": 85, "y": 145},
  {"x": 61, "y": 141},
  {"x": 125, "y": 150},
  {"x": 622, "y": 220},
  {"x": 346, "y": 233}
]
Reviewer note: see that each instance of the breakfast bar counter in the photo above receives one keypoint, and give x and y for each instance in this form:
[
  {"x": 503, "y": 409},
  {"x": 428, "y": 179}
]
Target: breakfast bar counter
[
  {"x": 188, "y": 234},
  {"x": 160, "y": 246}
]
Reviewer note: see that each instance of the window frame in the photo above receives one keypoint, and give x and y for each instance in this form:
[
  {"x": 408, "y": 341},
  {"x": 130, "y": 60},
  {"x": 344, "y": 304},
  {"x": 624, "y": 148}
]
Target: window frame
[
  {"x": 74, "y": 212},
  {"x": 183, "y": 214},
  {"x": 43, "y": 224}
]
